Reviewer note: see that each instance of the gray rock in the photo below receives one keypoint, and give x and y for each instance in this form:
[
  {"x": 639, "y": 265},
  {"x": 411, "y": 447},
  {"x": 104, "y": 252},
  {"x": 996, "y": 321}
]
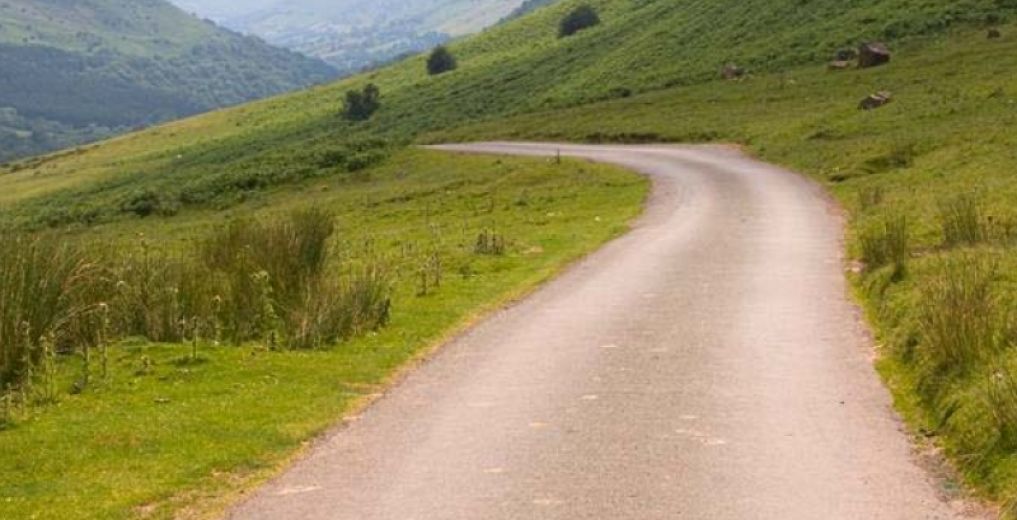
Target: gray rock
[
  {"x": 873, "y": 54},
  {"x": 877, "y": 100}
]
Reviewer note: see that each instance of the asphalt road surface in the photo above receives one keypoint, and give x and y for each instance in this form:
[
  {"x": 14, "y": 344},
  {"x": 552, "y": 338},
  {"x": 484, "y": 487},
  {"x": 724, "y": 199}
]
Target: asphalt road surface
[{"x": 707, "y": 365}]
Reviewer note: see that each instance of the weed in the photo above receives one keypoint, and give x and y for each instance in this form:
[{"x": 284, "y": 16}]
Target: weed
[{"x": 489, "y": 243}]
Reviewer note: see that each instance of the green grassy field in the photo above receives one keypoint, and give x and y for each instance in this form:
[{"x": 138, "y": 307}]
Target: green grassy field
[
  {"x": 927, "y": 181},
  {"x": 163, "y": 436}
]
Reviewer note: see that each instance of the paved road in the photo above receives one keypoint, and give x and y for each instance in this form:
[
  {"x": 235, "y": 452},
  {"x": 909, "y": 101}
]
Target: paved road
[{"x": 708, "y": 365}]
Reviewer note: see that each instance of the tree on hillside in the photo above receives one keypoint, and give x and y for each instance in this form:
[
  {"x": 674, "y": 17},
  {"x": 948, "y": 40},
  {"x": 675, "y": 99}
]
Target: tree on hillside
[
  {"x": 440, "y": 61},
  {"x": 580, "y": 18},
  {"x": 360, "y": 105}
]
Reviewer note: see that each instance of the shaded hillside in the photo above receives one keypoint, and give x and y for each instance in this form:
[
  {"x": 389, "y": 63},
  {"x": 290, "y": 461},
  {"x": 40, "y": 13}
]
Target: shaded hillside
[{"x": 72, "y": 71}]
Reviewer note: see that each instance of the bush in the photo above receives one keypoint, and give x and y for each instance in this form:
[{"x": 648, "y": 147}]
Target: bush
[
  {"x": 440, "y": 61},
  {"x": 582, "y": 17},
  {"x": 146, "y": 203},
  {"x": 361, "y": 105}
]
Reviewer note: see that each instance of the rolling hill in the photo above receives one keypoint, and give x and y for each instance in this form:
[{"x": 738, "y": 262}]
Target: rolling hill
[
  {"x": 908, "y": 175},
  {"x": 75, "y": 71},
  {"x": 354, "y": 34}
]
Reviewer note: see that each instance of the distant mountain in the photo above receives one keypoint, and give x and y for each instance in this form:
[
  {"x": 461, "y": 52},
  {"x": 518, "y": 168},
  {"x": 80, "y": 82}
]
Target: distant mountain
[
  {"x": 527, "y": 7},
  {"x": 353, "y": 34},
  {"x": 77, "y": 70}
]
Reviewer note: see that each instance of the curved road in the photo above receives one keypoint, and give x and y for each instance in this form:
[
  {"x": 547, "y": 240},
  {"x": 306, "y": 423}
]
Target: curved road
[{"x": 707, "y": 365}]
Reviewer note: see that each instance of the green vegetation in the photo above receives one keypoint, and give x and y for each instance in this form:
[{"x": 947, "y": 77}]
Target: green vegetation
[
  {"x": 172, "y": 426},
  {"x": 440, "y": 61},
  {"x": 75, "y": 71},
  {"x": 925, "y": 180},
  {"x": 361, "y": 105},
  {"x": 582, "y": 17}
]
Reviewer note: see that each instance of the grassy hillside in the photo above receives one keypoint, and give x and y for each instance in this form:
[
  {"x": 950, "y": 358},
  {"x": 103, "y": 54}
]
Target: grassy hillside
[
  {"x": 925, "y": 180},
  {"x": 74, "y": 71}
]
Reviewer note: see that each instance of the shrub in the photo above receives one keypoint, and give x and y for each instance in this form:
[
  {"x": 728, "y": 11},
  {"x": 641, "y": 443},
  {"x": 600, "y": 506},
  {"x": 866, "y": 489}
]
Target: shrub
[
  {"x": 582, "y": 17},
  {"x": 361, "y": 105},
  {"x": 145, "y": 203},
  {"x": 440, "y": 61}
]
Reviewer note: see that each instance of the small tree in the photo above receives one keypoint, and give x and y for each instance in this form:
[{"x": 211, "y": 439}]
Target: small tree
[
  {"x": 580, "y": 18},
  {"x": 440, "y": 60},
  {"x": 360, "y": 105}
]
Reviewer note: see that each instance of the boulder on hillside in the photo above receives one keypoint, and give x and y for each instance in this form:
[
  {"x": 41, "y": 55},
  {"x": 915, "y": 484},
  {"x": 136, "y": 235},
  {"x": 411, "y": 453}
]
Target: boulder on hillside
[
  {"x": 994, "y": 34},
  {"x": 873, "y": 54},
  {"x": 839, "y": 65},
  {"x": 731, "y": 71},
  {"x": 877, "y": 100}
]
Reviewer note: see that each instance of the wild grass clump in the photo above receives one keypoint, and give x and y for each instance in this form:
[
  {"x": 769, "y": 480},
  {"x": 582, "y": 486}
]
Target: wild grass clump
[
  {"x": 870, "y": 197},
  {"x": 1001, "y": 395},
  {"x": 961, "y": 317},
  {"x": 961, "y": 220},
  {"x": 276, "y": 282},
  {"x": 885, "y": 242},
  {"x": 47, "y": 293},
  {"x": 158, "y": 295},
  {"x": 489, "y": 243}
]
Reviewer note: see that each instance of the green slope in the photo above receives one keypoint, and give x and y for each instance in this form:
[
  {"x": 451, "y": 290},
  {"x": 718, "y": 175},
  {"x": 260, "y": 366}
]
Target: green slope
[
  {"x": 649, "y": 73},
  {"x": 72, "y": 71}
]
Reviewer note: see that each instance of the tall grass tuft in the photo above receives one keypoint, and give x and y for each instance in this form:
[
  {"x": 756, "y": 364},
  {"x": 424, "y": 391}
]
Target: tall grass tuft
[
  {"x": 885, "y": 242},
  {"x": 961, "y": 219},
  {"x": 960, "y": 316},
  {"x": 48, "y": 293},
  {"x": 278, "y": 282},
  {"x": 1002, "y": 400}
]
